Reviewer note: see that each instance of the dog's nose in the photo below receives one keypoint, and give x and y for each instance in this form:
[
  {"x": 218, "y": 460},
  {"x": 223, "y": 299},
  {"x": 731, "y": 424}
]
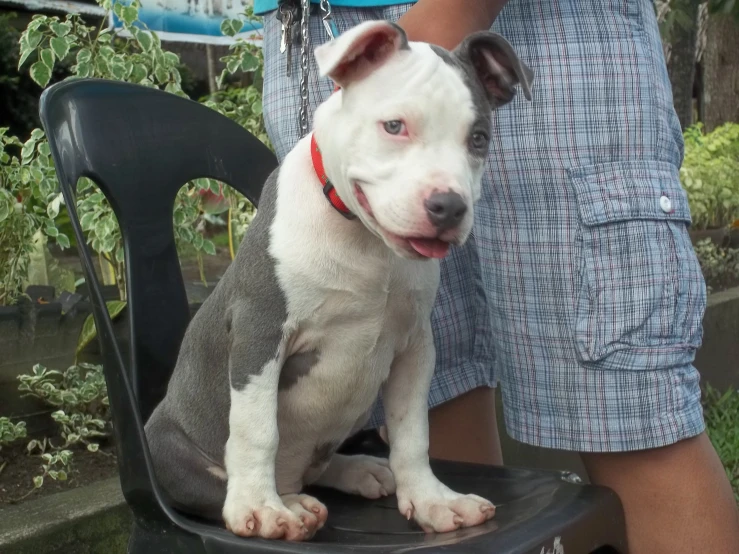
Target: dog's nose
[{"x": 445, "y": 209}]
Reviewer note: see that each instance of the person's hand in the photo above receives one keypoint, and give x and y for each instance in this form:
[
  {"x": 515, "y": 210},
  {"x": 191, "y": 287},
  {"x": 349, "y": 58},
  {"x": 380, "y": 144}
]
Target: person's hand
[{"x": 447, "y": 22}]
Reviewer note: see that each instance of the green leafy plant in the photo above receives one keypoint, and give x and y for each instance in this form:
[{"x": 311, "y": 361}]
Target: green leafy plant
[
  {"x": 719, "y": 264},
  {"x": 89, "y": 332},
  {"x": 724, "y": 7},
  {"x": 96, "y": 52},
  {"x": 241, "y": 101},
  {"x": 9, "y": 433},
  {"x": 709, "y": 175},
  {"x": 141, "y": 59},
  {"x": 29, "y": 204},
  {"x": 244, "y": 106},
  {"x": 721, "y": 412},
  {"x": 674, "y": 13},
  {"x": 79, "y": 389},
  {"x": 18, "y": 98},
  {"x": 83, "y": 414},
  {"x": 55, "y": 465},
  {"x": 18, "y": 93}
]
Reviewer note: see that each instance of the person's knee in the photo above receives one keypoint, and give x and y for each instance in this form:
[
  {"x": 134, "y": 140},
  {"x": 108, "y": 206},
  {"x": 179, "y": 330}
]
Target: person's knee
[
  {"x": 666, "y": 462},
  {"x": 652, "y": 483}
]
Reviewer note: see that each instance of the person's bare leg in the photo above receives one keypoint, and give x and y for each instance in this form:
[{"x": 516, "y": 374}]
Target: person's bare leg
[
  {"x": 677, "y": 499},
  {"x": 465, "y": 429}
]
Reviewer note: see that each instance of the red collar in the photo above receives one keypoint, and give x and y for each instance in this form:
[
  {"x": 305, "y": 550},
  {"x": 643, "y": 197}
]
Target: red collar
[{"x": 328, "y": 188}]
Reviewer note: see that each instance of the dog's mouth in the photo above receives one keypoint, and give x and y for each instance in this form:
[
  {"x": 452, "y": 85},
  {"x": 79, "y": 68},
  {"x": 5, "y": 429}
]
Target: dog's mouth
[
  {"x": 430, "y": 248},
  {"x": 414, "y": 247}
]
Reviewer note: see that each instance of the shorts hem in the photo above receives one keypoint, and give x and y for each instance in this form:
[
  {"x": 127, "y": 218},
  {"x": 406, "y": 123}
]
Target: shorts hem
[{"x": 617, "y": 412}]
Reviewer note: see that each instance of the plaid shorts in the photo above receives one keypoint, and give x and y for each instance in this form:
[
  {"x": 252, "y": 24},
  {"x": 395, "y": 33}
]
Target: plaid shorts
[{"x": 579, "y": 291}]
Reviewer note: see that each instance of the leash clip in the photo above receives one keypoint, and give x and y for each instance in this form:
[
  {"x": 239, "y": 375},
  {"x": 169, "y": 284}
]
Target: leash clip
[{"x": 328, "y": 22}]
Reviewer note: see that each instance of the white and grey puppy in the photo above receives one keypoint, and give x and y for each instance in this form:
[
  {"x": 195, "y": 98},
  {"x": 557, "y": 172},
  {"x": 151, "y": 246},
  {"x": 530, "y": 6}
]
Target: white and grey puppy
[{"x": 318, "y": 312}]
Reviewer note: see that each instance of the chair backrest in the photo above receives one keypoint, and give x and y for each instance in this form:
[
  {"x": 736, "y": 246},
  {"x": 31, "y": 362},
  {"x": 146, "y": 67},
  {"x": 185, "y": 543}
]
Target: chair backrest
[{"x": 140, "y": 146}]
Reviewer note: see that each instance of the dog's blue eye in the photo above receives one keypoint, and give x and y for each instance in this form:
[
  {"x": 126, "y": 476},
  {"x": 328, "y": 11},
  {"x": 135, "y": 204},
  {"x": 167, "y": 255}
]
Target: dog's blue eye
[
  {"x": 394, "y": 127},
  {"x": 479, "y": 140}
]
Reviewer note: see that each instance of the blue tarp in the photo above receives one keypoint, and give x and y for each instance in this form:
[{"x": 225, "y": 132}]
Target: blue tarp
[{"x": 194, "y": 20}]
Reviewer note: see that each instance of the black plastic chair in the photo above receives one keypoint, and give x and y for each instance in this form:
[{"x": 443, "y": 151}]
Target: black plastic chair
[{"x": 140, "y": 146}]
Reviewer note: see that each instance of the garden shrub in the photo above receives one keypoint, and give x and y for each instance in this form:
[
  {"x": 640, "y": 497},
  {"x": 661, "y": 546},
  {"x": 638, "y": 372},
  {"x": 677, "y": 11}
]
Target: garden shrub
[
  {"x": 83, "y": 415},
  {"x": 18, "y": 93},
  {"x": 49, "y": 42},
  {"x": 11, "y": 432},
  {"x": 710, "y": 175},
  {"x": 721, "y": 412},
  {"x": 719, "y": 264},
  {"x": 29, "y": 203}
]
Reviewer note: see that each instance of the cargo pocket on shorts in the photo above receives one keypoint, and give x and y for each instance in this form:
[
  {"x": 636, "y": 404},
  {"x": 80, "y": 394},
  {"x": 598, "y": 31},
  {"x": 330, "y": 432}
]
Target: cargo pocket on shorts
[{"x": 640, "y": 293}]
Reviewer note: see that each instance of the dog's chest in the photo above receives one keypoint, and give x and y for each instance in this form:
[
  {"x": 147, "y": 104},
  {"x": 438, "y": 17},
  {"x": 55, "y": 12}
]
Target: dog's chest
[
  {"x": 373, "y": 318},
  {"x": 353, "y": 326}
]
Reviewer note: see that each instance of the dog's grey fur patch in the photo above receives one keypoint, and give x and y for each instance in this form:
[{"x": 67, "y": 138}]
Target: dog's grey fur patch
[
  {"x": 483, "y": 107},
  {"x": 403, "y": 37},
  {"x": 524, "y": 74},
  {"x": 461, "y": 58},
  {"x": 445, "y": 55},
  {"x": 210, "y": 358},
  {"x": 190, "y": 483},
  {"x": 257, "y": 314},
  {"x": 297, "y": 366}
]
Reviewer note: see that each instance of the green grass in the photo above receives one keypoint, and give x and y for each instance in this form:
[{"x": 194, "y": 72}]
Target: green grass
[{"x": 722, "y": 421}]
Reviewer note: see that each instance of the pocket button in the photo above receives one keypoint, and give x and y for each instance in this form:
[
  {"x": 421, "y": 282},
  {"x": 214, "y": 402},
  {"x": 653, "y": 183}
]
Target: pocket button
[{"x": 666, "y": 204}]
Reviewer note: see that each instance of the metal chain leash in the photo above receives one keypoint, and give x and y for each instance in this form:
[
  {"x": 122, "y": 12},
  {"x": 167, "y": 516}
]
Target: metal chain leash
[
  {"x": 332, "y": 31},
  {"x": 305, "y": 39}
]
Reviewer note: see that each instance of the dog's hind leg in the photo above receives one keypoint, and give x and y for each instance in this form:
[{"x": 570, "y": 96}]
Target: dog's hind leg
[
  {"x": 195, "y": 483},
  {"x": 366, "y": 476}
]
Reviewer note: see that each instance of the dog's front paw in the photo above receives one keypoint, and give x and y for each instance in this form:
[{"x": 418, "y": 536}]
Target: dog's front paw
[
  {"x": 440, "y": 510},
  {"x": 311, "y": 511},
  {"x": 297, "y": 521}
]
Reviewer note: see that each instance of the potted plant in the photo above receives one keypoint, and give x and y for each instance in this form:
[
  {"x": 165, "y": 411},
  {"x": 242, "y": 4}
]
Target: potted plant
[
  {"x": 34, "y": 324},
  {"x": 140, "y": 58}
]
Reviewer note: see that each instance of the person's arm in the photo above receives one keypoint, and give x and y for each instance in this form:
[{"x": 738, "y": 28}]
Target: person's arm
[{"x": 447, "y": 22}]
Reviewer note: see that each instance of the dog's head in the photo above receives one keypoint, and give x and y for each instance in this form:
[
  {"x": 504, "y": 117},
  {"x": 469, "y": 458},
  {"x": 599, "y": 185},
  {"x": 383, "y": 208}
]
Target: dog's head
[{"x": 405, "y": 140}]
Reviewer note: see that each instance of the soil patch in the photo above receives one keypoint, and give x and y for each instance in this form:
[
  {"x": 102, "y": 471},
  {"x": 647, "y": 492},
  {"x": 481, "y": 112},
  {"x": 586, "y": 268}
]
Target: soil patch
[{"x": 16, "y": 478}]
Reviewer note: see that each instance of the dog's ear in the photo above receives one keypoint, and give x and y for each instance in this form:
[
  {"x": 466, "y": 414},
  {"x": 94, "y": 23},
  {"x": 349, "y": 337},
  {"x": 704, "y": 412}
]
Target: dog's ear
[
  {"x": 496, "y": 65},
  {"x": 356, "y": 53}
]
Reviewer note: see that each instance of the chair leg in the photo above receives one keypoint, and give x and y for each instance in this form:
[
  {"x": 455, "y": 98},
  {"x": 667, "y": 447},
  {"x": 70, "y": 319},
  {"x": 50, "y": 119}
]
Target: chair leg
[{"x": 145, "y": 540}]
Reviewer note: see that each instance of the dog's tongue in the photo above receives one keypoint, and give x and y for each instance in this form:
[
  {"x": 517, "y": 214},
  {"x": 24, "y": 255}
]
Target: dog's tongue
[{"x": 430, "y": 248}]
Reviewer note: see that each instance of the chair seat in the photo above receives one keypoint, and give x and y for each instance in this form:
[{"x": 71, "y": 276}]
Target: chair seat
[{"x": 536, "y": 511}]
